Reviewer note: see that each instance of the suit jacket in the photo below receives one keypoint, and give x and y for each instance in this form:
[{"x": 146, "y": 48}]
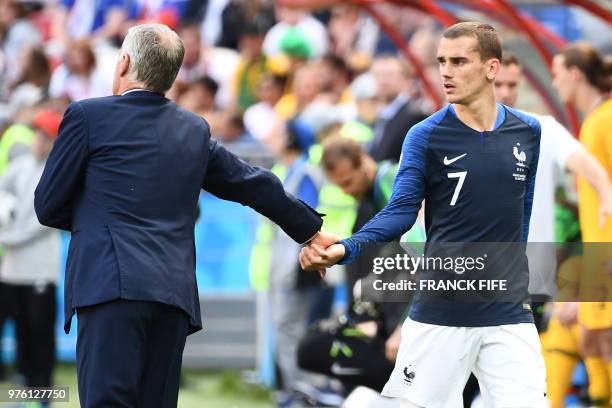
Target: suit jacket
[
  {"x": 124, "y": 176},
  {"x": 388, "y": 144}
]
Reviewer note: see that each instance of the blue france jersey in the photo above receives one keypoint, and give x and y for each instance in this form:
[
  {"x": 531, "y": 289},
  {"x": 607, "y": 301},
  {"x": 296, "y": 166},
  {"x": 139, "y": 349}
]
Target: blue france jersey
[{"x": 472, "y": 193}]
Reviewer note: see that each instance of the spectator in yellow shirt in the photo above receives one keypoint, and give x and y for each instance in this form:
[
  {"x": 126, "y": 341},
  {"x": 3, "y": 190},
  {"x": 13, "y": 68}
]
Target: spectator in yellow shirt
[{"x": 584, "y": 79}]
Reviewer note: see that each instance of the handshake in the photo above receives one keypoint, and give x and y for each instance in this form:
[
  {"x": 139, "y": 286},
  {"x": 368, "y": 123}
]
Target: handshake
[{"x": 321, "y": 252}]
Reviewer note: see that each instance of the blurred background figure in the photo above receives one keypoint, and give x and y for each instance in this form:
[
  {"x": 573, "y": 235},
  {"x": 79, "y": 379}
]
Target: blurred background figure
[
  {"x": 16, "y": 34},
  {"x": 260, "y": 117},
  {"x": 251, "y": 68},
  {"x": 200, "y": 59},
  {"x": 584, "y": 79},
  {"x": 399, "y": 108},
  {"x": 78, "y": 77},
  {"x": 299, "y": 21},
  {"x": 30, "y": 87},
  {"x": 253, "y": 64},
  {"x": 293, "y": 293},
  {"x": 234, "y": 132},
  {"x": 200, "y": 96},
  {"x": 353, "y": 34},
  {"x": 31, "y": 261}
]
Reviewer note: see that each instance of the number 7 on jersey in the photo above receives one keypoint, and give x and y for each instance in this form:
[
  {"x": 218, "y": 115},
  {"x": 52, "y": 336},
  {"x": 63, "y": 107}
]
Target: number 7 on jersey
[{"x": 461, "y": 176}]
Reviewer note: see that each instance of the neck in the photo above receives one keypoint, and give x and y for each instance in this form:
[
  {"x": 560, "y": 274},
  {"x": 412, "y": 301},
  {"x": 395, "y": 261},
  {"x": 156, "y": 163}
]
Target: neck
[
  {"x": 480, "y": 114},
  {"x": 128, "y": 86},
  {"x": 587, "y": 99}
]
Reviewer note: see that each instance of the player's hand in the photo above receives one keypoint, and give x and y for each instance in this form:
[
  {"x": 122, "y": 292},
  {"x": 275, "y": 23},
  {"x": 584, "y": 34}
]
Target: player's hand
[
  {"x": 392, "y": 344},
  {"x": 314, "y": 258},
  {"x": 324, "y": 239},
  {"x": 567, "y": 313}
]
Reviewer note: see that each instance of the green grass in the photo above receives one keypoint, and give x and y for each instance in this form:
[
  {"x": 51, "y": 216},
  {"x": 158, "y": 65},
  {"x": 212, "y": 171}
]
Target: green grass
[{"x": 201, "y": 389}]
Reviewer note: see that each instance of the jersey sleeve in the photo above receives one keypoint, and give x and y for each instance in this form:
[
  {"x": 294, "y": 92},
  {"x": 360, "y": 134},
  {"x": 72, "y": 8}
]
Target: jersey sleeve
[
  {"x": 536, "y": 128},
  {"x": 408, "y": 192}
]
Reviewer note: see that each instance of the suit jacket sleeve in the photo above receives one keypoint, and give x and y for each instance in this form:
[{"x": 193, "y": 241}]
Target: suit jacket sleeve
[
  {"x": 55, "y": 193},
  {"x": 230, "y": 178}
]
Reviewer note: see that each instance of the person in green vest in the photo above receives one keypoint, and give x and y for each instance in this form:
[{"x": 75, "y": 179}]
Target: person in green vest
[
  {"x": 360, "y": 347},
  {"x": 15, "y": 140}
]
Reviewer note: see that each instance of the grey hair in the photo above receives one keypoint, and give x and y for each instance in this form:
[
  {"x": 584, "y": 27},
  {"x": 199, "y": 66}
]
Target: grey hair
[{"x": 156, "y": 55}]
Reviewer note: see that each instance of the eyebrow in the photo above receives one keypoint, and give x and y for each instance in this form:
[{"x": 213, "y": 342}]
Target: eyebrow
[{"x": 452, "y": 59}]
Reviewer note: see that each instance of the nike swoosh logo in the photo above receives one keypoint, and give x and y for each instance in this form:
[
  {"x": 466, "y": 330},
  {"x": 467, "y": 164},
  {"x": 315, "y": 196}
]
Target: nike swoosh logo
[
  {"x": 339, "y": 370},
  {"x": 451, "y": 161}
]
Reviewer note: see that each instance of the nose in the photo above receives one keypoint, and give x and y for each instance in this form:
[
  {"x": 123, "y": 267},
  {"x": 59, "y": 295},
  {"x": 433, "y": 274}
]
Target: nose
[{"x": 446, "y": 71}]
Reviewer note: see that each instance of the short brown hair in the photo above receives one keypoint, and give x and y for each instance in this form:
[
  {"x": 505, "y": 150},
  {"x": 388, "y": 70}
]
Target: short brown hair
[
  {"x": 489, "y": 44},
  {"x": 510, "y": 59},
  {"x": 83, "y": 46},
  {"x": 336, "y": 148},
  {"x": 597, "y": 70}
]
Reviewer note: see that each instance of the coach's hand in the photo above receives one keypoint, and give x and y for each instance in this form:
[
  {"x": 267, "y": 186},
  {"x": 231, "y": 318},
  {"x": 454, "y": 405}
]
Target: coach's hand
[
  {"x": 314, "y": 258},
  {"x": 324, "y": 239}
]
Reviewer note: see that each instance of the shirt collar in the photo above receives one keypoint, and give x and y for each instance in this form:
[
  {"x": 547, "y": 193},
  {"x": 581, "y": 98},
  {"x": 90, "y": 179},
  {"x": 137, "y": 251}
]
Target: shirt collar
[
  {"x": 501, "y": 114},
  {"x": 136, "y": 90}
]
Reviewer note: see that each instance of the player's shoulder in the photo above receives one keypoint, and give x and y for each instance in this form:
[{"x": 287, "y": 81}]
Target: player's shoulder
[{"x": 527, "y": 118}]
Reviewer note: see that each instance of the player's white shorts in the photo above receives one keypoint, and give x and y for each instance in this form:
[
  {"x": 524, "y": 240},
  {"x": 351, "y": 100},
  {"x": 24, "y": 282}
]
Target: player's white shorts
[{"x": 434, "y": 363}]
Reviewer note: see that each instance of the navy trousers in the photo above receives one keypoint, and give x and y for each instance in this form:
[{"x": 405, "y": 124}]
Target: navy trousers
[{"x": 129, "y": 354}]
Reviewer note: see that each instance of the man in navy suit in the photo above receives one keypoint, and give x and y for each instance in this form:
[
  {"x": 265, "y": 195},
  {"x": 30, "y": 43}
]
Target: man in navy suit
[{"x": 124, "y": 178}]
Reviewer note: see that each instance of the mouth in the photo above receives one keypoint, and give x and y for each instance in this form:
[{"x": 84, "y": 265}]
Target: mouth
[{"x": 448, "y": 87}]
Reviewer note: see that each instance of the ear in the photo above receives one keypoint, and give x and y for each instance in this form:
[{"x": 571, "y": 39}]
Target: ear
[
  {"x": 576, "y": 75},
  {"x": 493, "y": 66},
  {"x": 124, "y": 64}
]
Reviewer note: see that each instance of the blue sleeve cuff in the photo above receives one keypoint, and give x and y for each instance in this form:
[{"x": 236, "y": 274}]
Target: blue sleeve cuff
[{"x": 351, "y": 251}]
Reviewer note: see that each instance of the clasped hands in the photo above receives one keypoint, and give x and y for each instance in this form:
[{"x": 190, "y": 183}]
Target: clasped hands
[{"x": 321, "y": 252}]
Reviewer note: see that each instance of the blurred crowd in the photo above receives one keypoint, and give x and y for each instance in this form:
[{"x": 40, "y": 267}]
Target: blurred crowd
[{"x": 323, "y": 98}]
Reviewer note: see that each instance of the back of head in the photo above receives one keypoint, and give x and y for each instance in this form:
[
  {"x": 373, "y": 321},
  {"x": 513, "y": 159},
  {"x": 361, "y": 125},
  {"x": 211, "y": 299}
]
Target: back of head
[
  {"x": 36, "y": 69},
  {"x": 596, "y": 69},
  {"x": 156, "y": 55},
  {"x": 489, "y": 44},
  {"x": 337, "y": 148},
  {"x": 510, "y": 59},
  {"x": 210, "y": 85}
]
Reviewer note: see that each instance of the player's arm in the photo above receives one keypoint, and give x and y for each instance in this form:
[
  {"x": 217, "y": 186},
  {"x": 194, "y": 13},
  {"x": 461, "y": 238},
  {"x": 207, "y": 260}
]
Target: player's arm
[
  {"x": 391, "y": 222},
  {"x": 63, "y": 173},
  {"x": 531, "y": 179}
]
